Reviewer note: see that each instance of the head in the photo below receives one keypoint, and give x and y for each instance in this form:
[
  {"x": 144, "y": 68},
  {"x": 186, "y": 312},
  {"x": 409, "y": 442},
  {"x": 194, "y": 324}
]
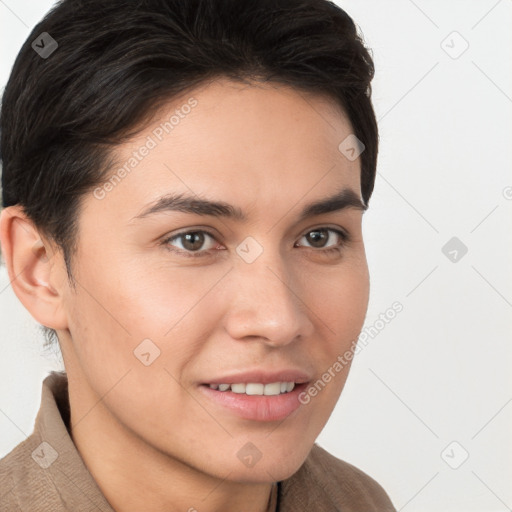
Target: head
[{"x": 183, "y": 193}]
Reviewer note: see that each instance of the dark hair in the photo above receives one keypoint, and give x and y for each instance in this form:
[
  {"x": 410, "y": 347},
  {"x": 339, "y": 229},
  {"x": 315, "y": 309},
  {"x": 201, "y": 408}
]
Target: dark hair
[{"x": 118, "y": 61}]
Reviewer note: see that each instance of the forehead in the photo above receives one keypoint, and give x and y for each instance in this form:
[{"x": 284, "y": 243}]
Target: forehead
[{"x": 242, "y": 143}]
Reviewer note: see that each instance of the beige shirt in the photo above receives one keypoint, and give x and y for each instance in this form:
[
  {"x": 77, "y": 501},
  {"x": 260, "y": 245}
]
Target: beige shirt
[{"x": 45, "y": 473}]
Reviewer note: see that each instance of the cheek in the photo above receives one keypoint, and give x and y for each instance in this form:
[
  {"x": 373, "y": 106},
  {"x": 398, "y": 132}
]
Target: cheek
[
  {"x": 341, "y": 317},
  {"x": 342, "y": 302},
  {"x": 175, "y": 308},
  {"x": 118, "y": 309},
  {"x": 140, "y": 296},
  {"x": 133, "y": 338}
]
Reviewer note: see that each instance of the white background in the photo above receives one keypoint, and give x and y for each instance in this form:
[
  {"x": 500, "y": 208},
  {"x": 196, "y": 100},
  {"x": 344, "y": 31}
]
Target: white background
[{"x": 440, "y": 371}]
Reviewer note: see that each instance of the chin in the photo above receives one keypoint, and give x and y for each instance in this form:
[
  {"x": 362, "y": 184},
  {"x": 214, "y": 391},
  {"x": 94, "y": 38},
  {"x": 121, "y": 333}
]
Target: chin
[
  {"x": 271, "y": 464},
  {"x": 266, "y": 473}
]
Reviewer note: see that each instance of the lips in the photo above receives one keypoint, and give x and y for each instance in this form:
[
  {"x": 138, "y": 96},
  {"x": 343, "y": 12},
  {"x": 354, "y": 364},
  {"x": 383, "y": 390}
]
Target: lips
[
  {"x": 261, "y": 377},
  {"x": 259, "y": 408},
  {"x": 258, "y": 395}
]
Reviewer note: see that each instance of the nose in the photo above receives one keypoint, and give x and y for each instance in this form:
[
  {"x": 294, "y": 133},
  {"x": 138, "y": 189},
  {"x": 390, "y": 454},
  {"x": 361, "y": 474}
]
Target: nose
[{"x": 267, "y": 302}]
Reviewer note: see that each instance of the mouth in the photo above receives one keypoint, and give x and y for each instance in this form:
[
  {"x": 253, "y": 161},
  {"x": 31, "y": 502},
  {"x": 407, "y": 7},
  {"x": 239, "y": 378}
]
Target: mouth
[
  {"x": 255, "y": 388},
  {"x": 256, "y": 401}
]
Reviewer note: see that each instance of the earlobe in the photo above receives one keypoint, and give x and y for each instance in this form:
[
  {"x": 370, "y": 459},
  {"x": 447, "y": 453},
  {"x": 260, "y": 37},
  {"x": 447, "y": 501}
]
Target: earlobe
[{"x": 30, "y": 268}]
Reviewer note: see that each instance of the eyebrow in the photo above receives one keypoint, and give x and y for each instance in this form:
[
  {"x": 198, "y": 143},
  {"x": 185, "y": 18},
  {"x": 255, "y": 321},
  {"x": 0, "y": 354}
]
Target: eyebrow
[{"x": 342, "y": 200}]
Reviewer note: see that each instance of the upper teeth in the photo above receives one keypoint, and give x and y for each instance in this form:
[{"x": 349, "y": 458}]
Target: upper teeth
[{"x": 256, "y": 388}]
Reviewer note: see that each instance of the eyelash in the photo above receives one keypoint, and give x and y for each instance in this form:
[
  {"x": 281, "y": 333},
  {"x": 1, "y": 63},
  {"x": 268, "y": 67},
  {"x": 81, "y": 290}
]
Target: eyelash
[{"x": 345, "y": 238}]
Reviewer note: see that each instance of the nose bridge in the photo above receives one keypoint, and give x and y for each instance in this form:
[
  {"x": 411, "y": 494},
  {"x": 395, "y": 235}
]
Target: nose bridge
[{"x": 266, "y": 301}]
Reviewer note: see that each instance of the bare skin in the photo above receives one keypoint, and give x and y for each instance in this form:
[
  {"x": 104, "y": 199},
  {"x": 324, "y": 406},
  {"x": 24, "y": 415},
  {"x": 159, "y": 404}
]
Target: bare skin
[{"x": 149, "y": 434}]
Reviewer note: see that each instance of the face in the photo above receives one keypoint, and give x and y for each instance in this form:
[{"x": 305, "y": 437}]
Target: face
[{"x": 173, "y": 297}]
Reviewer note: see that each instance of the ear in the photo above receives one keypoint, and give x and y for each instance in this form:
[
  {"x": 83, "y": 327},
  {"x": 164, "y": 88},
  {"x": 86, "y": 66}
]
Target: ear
[{"x": 34, "y": 267}]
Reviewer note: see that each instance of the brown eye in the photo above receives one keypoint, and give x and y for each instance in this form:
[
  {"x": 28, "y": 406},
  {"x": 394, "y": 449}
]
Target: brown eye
[
  {"x": 190, "y": 243},
  {"x": 318, "y": 238}
]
